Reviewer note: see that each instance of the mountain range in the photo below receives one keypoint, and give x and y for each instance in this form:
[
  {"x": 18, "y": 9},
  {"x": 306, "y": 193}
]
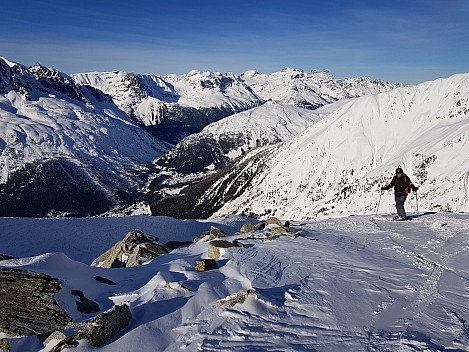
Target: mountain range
[
  {"x": 291, "y": 143},
  {"x": 86, "y": 143}
]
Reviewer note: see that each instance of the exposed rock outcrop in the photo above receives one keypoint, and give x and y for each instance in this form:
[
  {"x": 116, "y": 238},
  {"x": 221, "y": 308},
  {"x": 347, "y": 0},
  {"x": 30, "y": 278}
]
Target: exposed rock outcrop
[
  {"x": 215, "y": 248},
  {"x": 104, "y": 280},
  {"x": 135, "y": 249},
  {"x": 248, "y": 227},
  {"x": 213, "y": 233},
  {"x": 206, "y": 264},
  {"x": 273, "y": 221},
  {"x": 237, "y": 298},
  {"x": 27, "y": 304},
  {"x": 56, "y": 335},
  {"x": 5, "y": 257},
  {"x": 100, "y": 330}
]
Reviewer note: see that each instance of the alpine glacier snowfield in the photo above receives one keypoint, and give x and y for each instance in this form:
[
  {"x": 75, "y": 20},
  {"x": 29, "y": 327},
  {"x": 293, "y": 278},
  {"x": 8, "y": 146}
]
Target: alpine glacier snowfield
[{"x": 345, "y": 284}]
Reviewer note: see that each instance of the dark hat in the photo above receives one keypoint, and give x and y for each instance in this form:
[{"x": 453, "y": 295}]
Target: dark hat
[{"x": 399, "y": 171}]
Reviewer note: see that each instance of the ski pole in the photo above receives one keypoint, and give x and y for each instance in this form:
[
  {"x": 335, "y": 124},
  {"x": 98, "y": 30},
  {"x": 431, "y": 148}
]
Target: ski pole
[
  {"x": 417, "y": 201},
  {"x": 379, "y": 201}
]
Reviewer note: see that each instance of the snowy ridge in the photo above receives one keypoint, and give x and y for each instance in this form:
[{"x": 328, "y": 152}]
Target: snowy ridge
[
  {"x": 336, "y": 166},
  {"x": 311, "y": 89},
  {"x": 197, "y": 98},
  {"x": 345, "y": 284}
]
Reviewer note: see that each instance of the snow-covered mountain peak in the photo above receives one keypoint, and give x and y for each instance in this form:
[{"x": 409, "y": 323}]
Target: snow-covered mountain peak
[
  {"x": 8, "y": 62},
  {"x": 310, "y": 89}
]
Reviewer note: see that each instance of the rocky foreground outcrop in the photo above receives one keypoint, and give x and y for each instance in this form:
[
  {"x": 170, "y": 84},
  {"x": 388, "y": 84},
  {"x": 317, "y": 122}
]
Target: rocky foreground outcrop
[
  {"x": 135, "y": 249},
  {"x": 100, "y": 330},
  {"x": 27, "y": 304}
]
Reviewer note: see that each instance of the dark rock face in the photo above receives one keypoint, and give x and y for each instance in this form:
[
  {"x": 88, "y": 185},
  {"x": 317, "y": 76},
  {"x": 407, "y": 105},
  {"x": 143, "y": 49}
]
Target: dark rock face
[
  {"x": 215, "y": 246},
  {"x": 104, "y": 280},
  {"x": 54, "y": 80},
  {"x": 14, "y": 78},
  {"x": 5, "y": 257},
  {"x": 5, "y": 76},
  {"x": 27, "y": 305},
  {"x": 213, "y": 233},
  {"x": 203, "y": 198},
  {"x": 53, "y": 187},
  {"x": 195, "y": 155}
]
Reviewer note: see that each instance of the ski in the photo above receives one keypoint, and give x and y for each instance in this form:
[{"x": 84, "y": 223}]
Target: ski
[{"x": 389, "y": 219}]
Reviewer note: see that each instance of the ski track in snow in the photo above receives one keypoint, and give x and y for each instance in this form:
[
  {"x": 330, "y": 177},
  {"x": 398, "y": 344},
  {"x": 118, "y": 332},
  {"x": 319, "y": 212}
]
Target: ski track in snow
[{"x": 346, "y": 284}]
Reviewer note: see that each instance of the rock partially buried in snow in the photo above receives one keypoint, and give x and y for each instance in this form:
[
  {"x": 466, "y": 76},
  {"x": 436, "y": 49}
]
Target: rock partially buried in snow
[
  {"x": 248, "y": 227},
  {"x": 100, "y": 330},
  {"x": 273, "y": 221},
  {"x": 215, "y": 248},
  {"x": 276, "y": 230},
  {"x": 27, "y": 303},
  {"x": 237, "y": 298},
  {"x": 56, "y": 335},
  {"x": 135, "y": 249},
  {"x": 206, "y": 264},
  {"x": 213, "y": 233}
]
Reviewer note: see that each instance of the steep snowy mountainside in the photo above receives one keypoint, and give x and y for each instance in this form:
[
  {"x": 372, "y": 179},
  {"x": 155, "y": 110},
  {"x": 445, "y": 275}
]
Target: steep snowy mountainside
[
  {"x": 337, "y": 166},
  {"x": 196, "y": 98},
  {"x": 205, "y": 89},
  {"x": 51, "y": 129},
  {"x": 222, "y": 142},
  {"x": 235, "y": 135},
  {"x": 311, "y": 89}
]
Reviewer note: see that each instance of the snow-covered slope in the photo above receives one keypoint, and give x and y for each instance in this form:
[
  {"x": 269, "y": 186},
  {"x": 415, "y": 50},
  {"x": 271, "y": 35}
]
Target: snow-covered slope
[
  {"x": 346, "y": 284},
  {"x": 235, "y": 135},
  {"x": 337, "y": 166},
  {"x": 222, "y": 142},
  {"x": 311, "y": 89},
  {"x": 52, "y": 130},
  {"x": 196, "y": 98}
]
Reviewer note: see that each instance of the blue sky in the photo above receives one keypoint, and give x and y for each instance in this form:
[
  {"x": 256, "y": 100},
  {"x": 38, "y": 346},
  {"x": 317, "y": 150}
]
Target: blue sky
[{"x": 408, "y": 41}]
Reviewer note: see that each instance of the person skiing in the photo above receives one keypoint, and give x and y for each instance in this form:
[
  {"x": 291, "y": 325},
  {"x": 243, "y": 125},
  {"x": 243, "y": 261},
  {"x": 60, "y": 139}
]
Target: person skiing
[{"x": 402, "y": 185}]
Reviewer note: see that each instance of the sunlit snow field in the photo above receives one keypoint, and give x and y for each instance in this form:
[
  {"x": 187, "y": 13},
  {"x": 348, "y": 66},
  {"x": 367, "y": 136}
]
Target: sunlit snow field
[{"x": 348, "y": 284}]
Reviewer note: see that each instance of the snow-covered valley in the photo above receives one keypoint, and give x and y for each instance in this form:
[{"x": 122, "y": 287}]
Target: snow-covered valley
[{"x": 347, "y": 284}]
